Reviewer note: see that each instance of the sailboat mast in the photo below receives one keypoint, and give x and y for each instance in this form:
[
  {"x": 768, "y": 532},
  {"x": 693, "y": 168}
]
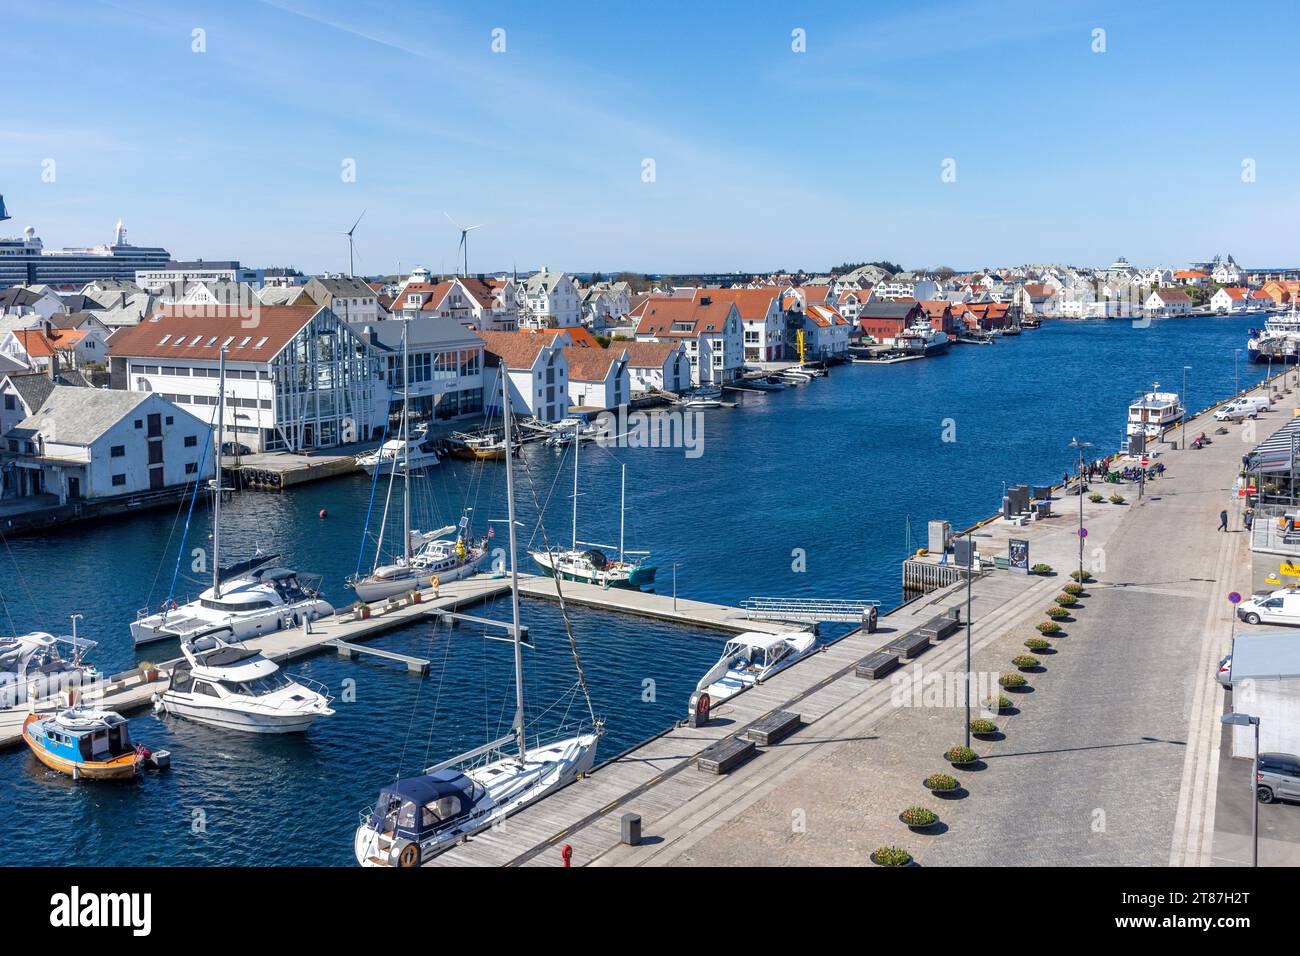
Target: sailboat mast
[
  {"x": 514, "y": 570},
  {"x": 622, "y": 511},
  {"x": 577, "y": 443},
  {"x": 216, "y": 499},
  {"x": 406, "y": 450}
]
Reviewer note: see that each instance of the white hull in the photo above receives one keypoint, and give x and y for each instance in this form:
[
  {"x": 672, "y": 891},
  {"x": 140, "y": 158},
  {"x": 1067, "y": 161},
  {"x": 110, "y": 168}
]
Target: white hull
[
  {"x": 190, "y": 621},
  {"x": 183, "y": 705},
  {"x": 375, "y": 589},
  {"x": 546, "y": 770}
]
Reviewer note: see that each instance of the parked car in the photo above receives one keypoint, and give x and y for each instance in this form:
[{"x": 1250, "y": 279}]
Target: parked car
[
  {"x": 1224, "y": 674},
  {"x": 1278, "y": 778},
  {"x": 235, "y": 448},
  {"x": 1275, "y": 607},
  {"x": 1235, "y": 413}
]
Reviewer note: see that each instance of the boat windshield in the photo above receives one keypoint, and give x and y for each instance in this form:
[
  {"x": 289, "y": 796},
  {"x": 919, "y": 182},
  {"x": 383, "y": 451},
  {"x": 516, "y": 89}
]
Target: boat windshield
[{"x": 259, "y": 686}]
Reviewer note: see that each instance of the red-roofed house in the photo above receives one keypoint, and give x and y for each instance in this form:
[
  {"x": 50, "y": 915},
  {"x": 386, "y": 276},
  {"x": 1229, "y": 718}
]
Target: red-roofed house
[
  {"x": 657, "y": 366},
  {"x": 1230, "y": 299},
  {"x": 940, "y": 314},
  {"x": 538, "y": 372},
  {"x": 1163, "y": 302},
  {"x": 75, "y": 348},
  {"x": 762, "y": 320},
  {"x": 710, "y": 327},
  {"x": 598, "y": 378}
]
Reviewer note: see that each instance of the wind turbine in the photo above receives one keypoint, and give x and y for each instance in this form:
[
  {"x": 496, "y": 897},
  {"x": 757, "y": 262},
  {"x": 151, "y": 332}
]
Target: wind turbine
[
  {"x": 351, "y": 247},
  {"x": 463, "y": 250}
]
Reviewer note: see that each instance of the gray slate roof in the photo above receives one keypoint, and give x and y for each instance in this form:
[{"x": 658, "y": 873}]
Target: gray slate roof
[
  {"x": 78, "y": 416},
  {"x": 1264, "y": 656}
]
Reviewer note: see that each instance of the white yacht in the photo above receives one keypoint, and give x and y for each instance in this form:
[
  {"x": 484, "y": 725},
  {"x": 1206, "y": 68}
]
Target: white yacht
[
  {"x": 921, "y": 339},
  {"x": 444, "y": 555},
  {"x": 753, "y": 657},
  {"x": 236, "y": 688},
  {"x": 1153, "y": 413},
  {"x": 247, "y": 599},
  {"x": 418, "y": 817},
  {"x": 409, "y": 454},
  {"x": 38, "y": 666}
]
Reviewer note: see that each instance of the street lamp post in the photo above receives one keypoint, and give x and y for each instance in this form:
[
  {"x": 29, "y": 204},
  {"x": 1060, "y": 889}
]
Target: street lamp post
[
  {"x": 1081, "y": 445},
  {"x": 1236, "y": 374},
  {"x": 1247, "y": 720},
  {"x": 676, "y": 565},
  {"x": 970, "y": 559},
  {"x": 1183, "y": 428}
]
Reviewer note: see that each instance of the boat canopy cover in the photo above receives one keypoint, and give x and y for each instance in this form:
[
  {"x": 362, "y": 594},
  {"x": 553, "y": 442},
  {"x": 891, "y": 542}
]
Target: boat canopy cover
[
  {"x": 275, "y": 574},
  {"x": 426, "y": 803},
  {"x": 243, "y": 567},
  {"x": 597, "y": 558},
  {"x": 227, "y": 656}
]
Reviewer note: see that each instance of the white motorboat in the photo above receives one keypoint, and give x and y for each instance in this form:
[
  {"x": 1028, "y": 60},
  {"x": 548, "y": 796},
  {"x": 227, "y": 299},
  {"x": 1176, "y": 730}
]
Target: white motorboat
[
  {"x": 1153, "y": 413},
  {"x": 414, "y": 454},
  {"x": 39, "y": 666},
  {"x": 247, "y": 599},
  {"x": 225, "y": 685},
  {"x": 418, "y": 817},
  {"x": 751, "y": 658}
]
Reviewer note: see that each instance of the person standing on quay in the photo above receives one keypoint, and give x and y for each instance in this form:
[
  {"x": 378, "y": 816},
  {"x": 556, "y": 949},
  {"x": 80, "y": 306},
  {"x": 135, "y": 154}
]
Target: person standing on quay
[{"x": 1223, "y": 520}]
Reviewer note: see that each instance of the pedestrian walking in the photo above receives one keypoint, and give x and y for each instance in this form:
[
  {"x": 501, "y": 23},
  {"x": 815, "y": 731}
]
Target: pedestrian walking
[
  {"x": 1223, "y": 521},
  {"x": 1248, "y": 519}
]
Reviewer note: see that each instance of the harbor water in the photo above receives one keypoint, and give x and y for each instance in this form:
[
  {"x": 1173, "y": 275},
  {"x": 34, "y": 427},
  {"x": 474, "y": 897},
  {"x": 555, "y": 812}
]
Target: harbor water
[{"x": 808, "y": 492}]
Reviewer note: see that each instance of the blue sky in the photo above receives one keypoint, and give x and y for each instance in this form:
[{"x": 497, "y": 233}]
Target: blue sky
[{"x": 764, "y": 158}]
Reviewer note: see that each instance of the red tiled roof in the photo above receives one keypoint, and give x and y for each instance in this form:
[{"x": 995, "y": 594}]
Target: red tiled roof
[
  {"x": 752, "y": 304},
  {"x": 254, "y": 335},
  {"x": 580, "y": 335},
  {"x": 647, "y": 354},
  {"x": 37, "y": 344},
  {"x": 661, "y": 314},
  {"x": 590, "y": 365},
  {"x": 519, "y": 350}
]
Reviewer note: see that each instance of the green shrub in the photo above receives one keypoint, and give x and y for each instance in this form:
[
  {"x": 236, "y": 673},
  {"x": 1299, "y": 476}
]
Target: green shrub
[
  {"x": 1024, "y": 660},
  {"x": 891, "y": 856},
  {"x": 1056, "y": 613},
  {"x": 1066, "y": 600},
  {"x": 1094, "y": 497},
  {"x": 1049, "y": 627},
  {"x": 1074, "y": 588},
  {"x": 917, "y": 817},
  {"x": 1117, "y": 499},
  {"x": 1042, "y": 569},
  {"x": 998, "y": 703},
  {"x": 1012, "y": 680},
  {"x": 959, "y": 754},
  {"x": 983, "y": 726},
  {"x": 941, "y": 781},
  {"x": 1038, "y": 644},
  {"x": 1081, "y": 576}
]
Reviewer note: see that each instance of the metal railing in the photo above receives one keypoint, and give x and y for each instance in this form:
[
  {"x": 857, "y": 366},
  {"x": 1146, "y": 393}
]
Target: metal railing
[
  {"x": 1271, "y": 532},
  {"x": 807, "y": 610}
]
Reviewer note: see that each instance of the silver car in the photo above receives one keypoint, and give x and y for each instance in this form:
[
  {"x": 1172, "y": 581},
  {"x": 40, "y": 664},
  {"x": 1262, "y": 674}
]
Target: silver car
[
  {"x": 1278, "y": 778},
  {"x": 1224, "y": 673}
]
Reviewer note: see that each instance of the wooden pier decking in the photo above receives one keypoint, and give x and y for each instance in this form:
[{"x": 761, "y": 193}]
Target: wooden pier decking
[{"x": 341, "y": 632}]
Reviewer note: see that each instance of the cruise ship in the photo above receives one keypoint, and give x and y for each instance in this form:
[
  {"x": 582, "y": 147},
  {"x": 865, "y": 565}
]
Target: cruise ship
[{"x": 24, "y": 259}]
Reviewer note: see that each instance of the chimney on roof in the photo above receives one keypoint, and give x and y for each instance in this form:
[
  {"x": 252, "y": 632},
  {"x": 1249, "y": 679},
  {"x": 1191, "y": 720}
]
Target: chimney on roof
[
  {"x": 706, "y": 300},
  {"x": 52, "y": 368}
]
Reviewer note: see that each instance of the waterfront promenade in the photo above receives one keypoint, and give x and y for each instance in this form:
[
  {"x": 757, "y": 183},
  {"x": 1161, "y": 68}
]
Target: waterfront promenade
[{"x": 1111, "y": 758}]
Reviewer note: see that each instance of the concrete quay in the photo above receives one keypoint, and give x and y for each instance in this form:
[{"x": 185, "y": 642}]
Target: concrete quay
[{"x": 1111, "y": 757}]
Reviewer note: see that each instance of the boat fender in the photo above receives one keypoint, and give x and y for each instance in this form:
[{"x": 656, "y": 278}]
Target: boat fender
[{"x": 323, "y": 512}]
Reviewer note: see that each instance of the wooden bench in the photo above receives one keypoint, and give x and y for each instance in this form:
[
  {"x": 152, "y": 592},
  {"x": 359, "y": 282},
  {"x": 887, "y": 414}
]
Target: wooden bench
[
  {"x": 909, "y": 645},
  {"x": 877, "y": 665},
  {"x": 725, "y": 755},
  {"x": 774, "y": 727},
  {"x": 939, "y": 628}
]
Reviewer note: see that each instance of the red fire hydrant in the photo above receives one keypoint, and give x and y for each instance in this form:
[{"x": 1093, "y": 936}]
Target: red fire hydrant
[{"x": 566, "y": 854}]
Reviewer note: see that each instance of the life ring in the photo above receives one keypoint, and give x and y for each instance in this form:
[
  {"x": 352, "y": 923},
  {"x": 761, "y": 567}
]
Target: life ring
[{"x": 410, "y": 855}]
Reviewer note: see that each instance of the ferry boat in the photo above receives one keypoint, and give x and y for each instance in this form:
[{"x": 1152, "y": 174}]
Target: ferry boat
[
  {"x": 1277, "y": 341},
  {"x": 416, "y": 818},
  {"x": 224, "y": 685},
  {"x": 1153, "y": 413},
  {"x": 84, "y": 742},
  {"x": 753, "y": 657},
  {"x": 921, "y": 339}
]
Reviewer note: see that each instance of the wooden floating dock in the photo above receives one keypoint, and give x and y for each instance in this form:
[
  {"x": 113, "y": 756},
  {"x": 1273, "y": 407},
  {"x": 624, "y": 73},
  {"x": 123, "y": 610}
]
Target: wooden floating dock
[{"x": 128, "y": 692}]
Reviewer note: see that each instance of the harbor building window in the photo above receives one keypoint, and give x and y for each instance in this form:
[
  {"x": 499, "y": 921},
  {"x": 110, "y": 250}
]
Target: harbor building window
[
  {"x": 117, "y": 451},
  {"x": 191, "y": 441},
  {"x": 119, "y": 479}
]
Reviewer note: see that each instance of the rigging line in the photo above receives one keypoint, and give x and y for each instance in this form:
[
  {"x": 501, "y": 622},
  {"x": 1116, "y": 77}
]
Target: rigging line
[
  {"x": 26, "y": 587},
  {"x": 180, "y": 551},
  {"x": 415, "y": 705},
  {"x": 437, "y": 700},
  {"x": 171, "y": 535},
  {"x": 555, "y": 481},
  {"x": 559, "y": 593},
  {"x": 374, "y": 481}
]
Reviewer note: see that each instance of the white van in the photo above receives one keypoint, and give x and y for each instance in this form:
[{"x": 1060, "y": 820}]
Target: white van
[
  {"x": 1277, "y": 607},
  {"x": 1232, "y": 412},
  {"x": 1258, "y": 402}
]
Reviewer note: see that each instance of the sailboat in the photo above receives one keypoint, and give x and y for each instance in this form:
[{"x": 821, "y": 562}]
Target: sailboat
[
  {"x": 416, "y": 818},
  {"x": 587, "y": 563},
  {"x": 247, "y": 599},
  {"x": 426, "y": 556}
]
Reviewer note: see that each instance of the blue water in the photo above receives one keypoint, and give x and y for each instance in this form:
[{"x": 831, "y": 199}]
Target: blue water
[{"x": 806, "y": 492}]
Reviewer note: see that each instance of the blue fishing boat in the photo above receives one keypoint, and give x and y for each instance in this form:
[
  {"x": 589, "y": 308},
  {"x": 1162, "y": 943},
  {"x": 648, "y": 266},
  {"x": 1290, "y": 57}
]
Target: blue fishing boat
[{"x": 90, "y": 743}]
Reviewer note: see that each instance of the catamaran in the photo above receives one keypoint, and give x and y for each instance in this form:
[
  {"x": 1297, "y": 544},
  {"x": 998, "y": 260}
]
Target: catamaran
[
  {"x": 416, "y": 818},
  {"x": 588, "y": 563},
  {"x": 247, "y": 599}
]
